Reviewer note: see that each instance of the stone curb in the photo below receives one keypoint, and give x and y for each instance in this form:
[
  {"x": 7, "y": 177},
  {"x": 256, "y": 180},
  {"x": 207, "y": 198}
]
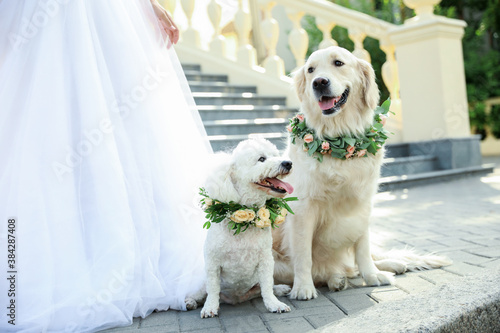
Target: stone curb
[{"x": 471, "y": 304}]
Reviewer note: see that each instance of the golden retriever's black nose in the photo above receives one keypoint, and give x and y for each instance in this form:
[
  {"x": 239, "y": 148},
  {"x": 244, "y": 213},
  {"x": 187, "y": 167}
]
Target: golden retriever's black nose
[
  {"x": 287, "y": 165},
  {"x": 321, "y": 82}
]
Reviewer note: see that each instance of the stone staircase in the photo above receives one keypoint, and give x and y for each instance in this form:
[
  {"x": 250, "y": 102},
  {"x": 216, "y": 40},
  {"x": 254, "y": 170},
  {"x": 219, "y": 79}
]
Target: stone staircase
[{"x": 232, "y": 113}]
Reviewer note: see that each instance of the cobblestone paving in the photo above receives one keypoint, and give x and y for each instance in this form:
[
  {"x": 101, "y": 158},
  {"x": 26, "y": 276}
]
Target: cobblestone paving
[{"x": 459, "y": 219}]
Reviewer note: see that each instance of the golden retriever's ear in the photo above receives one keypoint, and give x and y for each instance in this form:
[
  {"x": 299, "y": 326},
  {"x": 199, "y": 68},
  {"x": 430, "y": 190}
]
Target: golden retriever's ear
[
  {"x": 299, "y": 82},
  {"x": 370, "y": 88}
]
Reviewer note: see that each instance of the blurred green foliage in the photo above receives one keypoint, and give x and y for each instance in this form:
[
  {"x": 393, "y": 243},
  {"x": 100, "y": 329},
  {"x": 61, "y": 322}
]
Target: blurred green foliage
[{"x": 481, "y": 47}]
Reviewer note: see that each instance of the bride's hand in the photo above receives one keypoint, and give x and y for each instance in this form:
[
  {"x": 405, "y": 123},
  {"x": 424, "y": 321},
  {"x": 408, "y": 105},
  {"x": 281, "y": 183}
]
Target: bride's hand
[{"x": 166, "y": 22}]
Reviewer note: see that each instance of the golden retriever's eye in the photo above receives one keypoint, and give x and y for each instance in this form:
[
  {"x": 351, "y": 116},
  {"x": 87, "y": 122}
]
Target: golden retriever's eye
[
  {"x": 338, "y": 63},
  {"x": 262, "y": 159},
  {"x": 310, "y": 69}
]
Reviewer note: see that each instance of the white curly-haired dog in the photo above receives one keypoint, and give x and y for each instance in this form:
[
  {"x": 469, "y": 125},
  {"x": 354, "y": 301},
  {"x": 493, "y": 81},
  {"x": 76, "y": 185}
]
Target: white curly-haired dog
[
  {"x": 240, "y": 267},
  {"x": 329, "y": 236}
]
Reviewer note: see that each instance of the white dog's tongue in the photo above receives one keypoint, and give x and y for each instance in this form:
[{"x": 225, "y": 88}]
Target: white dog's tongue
[{"x": 278, "y": 183}]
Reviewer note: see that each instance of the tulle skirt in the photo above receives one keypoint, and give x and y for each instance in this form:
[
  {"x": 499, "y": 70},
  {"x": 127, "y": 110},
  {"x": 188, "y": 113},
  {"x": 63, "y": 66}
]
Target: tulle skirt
[{"x": 101, "y": 150}]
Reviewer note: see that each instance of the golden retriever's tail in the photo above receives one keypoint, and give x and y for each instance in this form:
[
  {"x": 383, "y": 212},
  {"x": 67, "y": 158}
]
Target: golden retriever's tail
[{"x": 394, "y": 260}]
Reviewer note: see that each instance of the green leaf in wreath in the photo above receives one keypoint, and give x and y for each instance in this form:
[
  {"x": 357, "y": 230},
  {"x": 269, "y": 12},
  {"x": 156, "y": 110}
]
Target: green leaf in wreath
[
  {"x": 350, "y": 141},
  {"x": 372, "y": 148},
  {"x": 386, "y": 105}
]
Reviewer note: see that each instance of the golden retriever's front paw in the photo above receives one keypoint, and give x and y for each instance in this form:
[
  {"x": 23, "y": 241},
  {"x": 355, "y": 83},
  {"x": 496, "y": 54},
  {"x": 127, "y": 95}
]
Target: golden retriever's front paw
[
  {"x": 303, "y": 292},
  {"x": 209, "y": 311},
  {"x": 379, "y": 278}
]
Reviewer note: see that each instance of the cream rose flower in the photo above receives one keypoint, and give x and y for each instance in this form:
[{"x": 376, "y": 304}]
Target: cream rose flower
[
  {"x": 263, "y": 213},
  {"x": 251, "y": 214},
  {"x": 308, "y": 138},
  {"x": 241, "y": 215},
  {"x": 208, "y": 202},
  {"x": 279, "y": 220},
  {"x": 283, "y": 212},
  {"x": 262, "y": 223}
]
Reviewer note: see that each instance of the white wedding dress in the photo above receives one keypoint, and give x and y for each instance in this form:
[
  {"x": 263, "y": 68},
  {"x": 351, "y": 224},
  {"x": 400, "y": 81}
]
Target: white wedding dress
[{"x": 101, "y": 149}]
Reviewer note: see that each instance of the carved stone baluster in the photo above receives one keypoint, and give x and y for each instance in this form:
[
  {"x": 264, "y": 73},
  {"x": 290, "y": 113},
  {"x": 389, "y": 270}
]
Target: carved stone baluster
[
  {"x": 359, "y": 50},
  {"x": 391, "y": 79},
  {"x": 246, "y": 53},
  {"x": 218, "y": 43},
  {"x": 190, "y": 36},
  {"x": 273, "y": 64},
  {"x": 326, "y": 28},
  {"x": 298, "y": 40}
]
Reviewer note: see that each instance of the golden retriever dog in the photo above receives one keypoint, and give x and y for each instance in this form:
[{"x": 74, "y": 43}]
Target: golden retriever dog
[{"x": 328, "y": 237}]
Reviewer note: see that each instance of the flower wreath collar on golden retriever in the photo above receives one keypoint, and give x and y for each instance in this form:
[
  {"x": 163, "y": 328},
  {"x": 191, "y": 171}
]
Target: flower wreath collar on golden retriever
[{"x": 342, "y": 147}]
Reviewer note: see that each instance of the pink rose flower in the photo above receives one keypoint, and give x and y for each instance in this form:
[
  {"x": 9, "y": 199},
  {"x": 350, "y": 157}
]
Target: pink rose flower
[
  {"x": 348, "y": 156},
  {"x": 325, "y": 145},
  {"x": 350, "y": 149},
  {"x": 383, "y": 119},
  {"x": 289, "y": 128},
  {"x": 308, "y": 138},
  {"x": 300, "y": 117},
  {"x": 362, "y": 153}
]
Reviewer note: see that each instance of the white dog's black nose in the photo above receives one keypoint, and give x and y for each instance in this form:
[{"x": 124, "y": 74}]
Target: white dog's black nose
[
  {"x": 321, "y": 82},
  {"x": 287, "y": 165}
]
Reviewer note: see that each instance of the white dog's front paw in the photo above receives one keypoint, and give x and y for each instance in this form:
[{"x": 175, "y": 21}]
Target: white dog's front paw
[
  {"x": 281, "y": 290},
  {"x": 303, "y": 292},
  {"x": 209, "y": 311},
  {"x": 276, "y": 306},
  {"x": 379, "y": 278},
  {"x": 191, "y": 303}
]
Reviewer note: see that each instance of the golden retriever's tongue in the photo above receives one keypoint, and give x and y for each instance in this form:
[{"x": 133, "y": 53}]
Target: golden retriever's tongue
[
  {"x": 278, "y": 183},
  {"x": 327, "y": 104}
]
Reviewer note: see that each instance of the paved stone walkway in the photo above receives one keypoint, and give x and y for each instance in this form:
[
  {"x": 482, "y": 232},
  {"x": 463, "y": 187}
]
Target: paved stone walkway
[{"x": 459, "y": 219}]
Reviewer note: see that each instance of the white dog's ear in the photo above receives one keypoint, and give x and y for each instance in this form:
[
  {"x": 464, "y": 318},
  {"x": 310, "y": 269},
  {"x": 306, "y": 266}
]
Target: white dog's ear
[
  {"x": 299, "y": 82},
  {"x": 370, "y": 89}
]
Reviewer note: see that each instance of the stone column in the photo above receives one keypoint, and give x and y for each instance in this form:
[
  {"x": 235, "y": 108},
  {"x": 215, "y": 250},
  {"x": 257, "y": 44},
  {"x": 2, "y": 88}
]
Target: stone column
[{"x": 431, "y": 74}]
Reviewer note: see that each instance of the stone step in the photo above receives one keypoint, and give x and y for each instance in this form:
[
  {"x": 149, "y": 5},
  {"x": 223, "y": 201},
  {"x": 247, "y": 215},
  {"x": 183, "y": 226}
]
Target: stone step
[
  {"x": 208, "y": 98},
  {"x": 425, "y": 178},
  {"x": 245, "y": 126},
  {"x": 217, "y": 112},
  {"x": 197, "y": 76},
  {"x": 409, "y": 165},
  {"x": 197, "y": 86},
  {"x": 226, "y": 142},
  {"x": 191, "y": 67}
]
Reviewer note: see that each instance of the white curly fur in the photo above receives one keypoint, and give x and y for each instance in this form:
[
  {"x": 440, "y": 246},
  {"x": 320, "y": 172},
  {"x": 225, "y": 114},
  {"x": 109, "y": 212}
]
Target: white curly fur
[
  {"x": 240, "y": 267},
  {"x": 329, "y": 234}
]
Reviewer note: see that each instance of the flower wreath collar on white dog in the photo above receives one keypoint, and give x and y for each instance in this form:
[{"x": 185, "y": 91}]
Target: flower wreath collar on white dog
[
  {"x": 241, "y": 217},
  {"x": 342, "y": 147}
]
